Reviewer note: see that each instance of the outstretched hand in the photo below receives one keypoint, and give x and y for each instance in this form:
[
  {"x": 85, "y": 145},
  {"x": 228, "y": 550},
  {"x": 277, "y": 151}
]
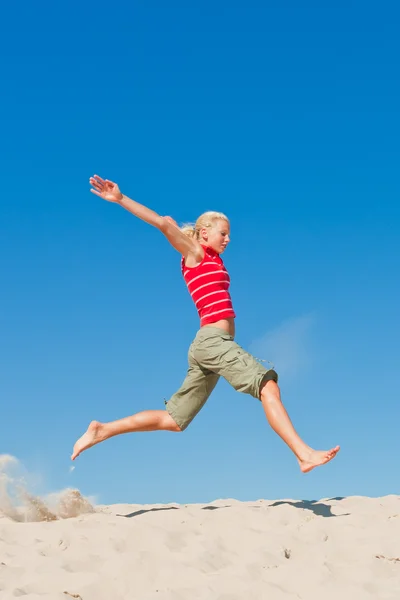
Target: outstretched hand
[{"x": 105, "y": 188}]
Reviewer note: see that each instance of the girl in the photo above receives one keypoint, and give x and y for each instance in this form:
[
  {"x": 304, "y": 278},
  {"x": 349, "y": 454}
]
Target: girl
[{"x": 213, "y": 353}]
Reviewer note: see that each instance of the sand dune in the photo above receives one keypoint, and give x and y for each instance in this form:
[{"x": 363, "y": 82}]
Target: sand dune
[{"x": 335, "y": 549}]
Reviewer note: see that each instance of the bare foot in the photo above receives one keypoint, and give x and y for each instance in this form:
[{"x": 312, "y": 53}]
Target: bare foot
[
  {"x": 90, "y": 438},
  {"x": 316, "y": 458}
]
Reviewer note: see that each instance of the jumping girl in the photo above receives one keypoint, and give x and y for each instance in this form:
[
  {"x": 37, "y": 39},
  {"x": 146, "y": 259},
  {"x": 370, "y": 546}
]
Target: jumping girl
[{"x": 213, "y": 352}]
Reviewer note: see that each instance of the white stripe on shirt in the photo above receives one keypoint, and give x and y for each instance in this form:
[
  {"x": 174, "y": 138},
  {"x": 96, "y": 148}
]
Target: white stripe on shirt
[
  {"x": 210, "y": 294},
  {"x": 217, "y": 302},
  {"x": 216, "y": 312},
  {"x": 203, "y": 275},
  {"x": 211, "y": 283}
]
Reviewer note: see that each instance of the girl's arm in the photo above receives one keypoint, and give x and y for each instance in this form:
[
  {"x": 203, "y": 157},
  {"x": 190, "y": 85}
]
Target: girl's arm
[{"x": 110, "y": 191}]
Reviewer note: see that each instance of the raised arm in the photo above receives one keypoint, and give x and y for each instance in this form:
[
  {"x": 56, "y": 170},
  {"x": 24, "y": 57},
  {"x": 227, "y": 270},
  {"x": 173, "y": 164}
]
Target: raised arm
[{"x": 110, "y": 191}]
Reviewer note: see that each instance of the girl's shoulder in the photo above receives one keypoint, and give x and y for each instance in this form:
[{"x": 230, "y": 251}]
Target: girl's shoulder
[{"x": 192, "y": 262}]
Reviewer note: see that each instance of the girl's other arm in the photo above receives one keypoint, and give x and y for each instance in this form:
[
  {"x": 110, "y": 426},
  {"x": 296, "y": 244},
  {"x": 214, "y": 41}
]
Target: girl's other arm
[{"x": 110, "y": 191}]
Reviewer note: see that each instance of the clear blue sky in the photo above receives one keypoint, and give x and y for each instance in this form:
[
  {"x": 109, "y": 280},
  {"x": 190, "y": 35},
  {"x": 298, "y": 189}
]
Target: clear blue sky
[{"x": 287, "y": 118}]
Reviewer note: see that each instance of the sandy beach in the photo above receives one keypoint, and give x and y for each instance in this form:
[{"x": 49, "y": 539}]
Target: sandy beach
[{"x": 331, "y": 549}]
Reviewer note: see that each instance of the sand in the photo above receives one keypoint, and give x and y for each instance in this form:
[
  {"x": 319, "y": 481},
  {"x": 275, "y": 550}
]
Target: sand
[{"x": 331, "y": 549}]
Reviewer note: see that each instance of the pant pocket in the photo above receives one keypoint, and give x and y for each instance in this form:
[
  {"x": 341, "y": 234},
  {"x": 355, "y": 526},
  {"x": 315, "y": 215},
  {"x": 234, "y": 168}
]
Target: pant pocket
[{"x": 235, "y": 355}]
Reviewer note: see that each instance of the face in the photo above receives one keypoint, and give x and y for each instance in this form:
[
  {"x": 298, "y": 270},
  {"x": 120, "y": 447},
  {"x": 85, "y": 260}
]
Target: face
[{"x": 217, "y": 236}]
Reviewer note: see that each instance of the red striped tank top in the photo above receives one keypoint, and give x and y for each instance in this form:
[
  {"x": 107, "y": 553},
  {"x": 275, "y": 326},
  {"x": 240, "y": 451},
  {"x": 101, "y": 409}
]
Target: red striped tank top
[{"x": 208, "y": 285}]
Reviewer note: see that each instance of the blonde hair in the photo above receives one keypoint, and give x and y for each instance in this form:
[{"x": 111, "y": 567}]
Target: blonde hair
[{"x": 206, "y": 220}]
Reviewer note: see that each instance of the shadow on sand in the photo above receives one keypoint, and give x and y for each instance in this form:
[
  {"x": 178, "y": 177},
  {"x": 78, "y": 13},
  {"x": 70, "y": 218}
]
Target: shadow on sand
[
  {"x": 318, "y": 508},
  {"x": 143, "y": 511},
  {"x": 137, "y": 513}
]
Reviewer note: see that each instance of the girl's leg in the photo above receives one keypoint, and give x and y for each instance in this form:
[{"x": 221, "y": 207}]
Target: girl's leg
[
  {"x": 183, "y": 405},
  {"x": 147, "y": 420},
  {"x": 282, "y": 425},
  {"x": 229, "y": 360}
]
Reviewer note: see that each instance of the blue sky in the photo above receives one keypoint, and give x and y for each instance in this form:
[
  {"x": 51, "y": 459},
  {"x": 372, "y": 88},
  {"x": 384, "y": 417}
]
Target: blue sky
[{"x": 284, "y": 117}]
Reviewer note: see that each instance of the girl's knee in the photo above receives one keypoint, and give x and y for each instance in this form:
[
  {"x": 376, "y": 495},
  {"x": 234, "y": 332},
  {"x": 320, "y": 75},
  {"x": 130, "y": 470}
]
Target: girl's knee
[
  {"x": 269, "y": 390},
  {"x": 169, "y": 423}
]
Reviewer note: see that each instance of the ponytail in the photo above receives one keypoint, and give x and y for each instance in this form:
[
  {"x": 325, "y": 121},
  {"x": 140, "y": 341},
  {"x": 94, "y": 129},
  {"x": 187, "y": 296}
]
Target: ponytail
[{"x": 189, "y": 231}]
